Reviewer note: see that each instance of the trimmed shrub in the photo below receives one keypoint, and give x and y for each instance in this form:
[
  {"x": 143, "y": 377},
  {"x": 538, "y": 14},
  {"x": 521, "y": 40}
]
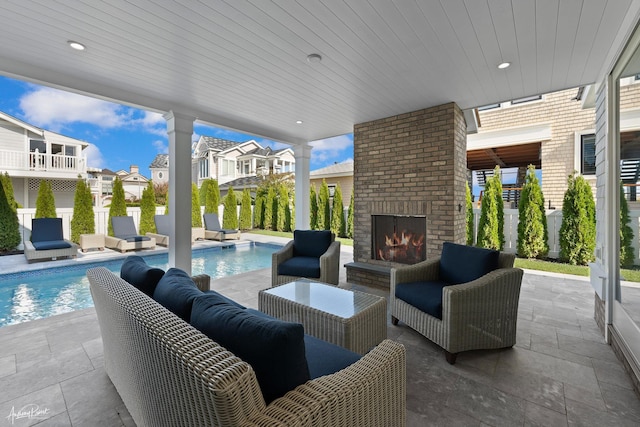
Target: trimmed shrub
[
  {"x": 245, "y": 210},
  {"x": 212, "y": 196},
  {"x": 627, "y": 253},
  {"x": 230, "y": 214},
  {"x": 83, "y": 220},
  {"x": 338, "y": 225},
  {"x": 267, "y": 220},
  {"x": 282, "y": 203},
  {"x": 161, "y": 193},
  {"x": 578, "y": 229},
  {"x": 258, "y": 212},
  {"x": 196, "y": 217},
  {"x": 118, "y": 206},
  {"x": 489, "y": 230},
  {"x": 324, "y": 208},
  {"x": 532, "y": 221},
  {"x": 469, "y": 215},
  {"x": 45, "y": 202},
  {"x": 202, "y": 192},
  {"x": 5, "y": 181},
  {"x": 313, "y": 208},
  {"x": 350, "y": 217},
  {"x": 289, "y": 213},
  {"x": 147, "y": 210},
  {"x": 9, "y": 225}
]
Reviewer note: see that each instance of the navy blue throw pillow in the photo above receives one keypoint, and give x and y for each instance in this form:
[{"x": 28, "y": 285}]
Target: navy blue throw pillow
[
  {"x": 275, "y": 349},
  {"x": 144, "y": 277},
  {"x": 311, "y": 243},
  {"x": 176, "y": 292},
  {"x": 462, "y": 264}
]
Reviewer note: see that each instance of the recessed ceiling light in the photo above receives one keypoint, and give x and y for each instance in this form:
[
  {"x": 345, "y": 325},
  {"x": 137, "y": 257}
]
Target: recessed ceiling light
[
  {"x": 504, "y": 65},
  {"x": 314, "y": 58},
  {"x": 299, "y": 122},
  {"x": 76, "y": 45}
]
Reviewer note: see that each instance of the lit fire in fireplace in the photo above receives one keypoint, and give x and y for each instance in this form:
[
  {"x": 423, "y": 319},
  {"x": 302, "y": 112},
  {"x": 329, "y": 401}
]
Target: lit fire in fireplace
[{"x": 405, "y": 247}]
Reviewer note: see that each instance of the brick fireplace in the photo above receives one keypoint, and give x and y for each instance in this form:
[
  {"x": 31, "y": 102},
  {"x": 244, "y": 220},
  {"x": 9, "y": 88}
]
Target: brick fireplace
[{"x": 410, "y": 165}]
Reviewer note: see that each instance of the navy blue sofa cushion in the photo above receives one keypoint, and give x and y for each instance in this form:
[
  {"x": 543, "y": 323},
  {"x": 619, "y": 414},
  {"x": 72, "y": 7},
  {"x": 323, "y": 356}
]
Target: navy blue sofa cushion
[
  {"x": 176, "y": 292},
  {"x": 301, "y": 266},
  {"x": 215, "y": 298},
  {"x": 462, "y": 264},
  {"x": 138, "y": 273},
  {"x": 46, "y": 230},
  {"x": 274, "y": 348},
  {"x": 425, "y": 296},
  {"x": 311, "y": 243},
  {"x": 51, "y": 244},
  {"x": 324, "y": 358}
]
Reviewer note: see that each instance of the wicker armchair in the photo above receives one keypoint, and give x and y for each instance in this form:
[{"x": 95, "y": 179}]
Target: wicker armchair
[
  {"x": 480, "y": 314},
  {"x": 327, "y": 253}
]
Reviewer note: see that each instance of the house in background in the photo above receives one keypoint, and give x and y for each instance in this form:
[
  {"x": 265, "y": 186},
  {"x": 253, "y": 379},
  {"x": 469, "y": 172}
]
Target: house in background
[
  {"x": 238, "y": 164},
  {"x": 337, "y": 173},
  {"x": 31, "y": 154},
  {"x": 133, "y": 183},
  {"x": 101, "y": 184},
  {"x": 159, "y": 168}
]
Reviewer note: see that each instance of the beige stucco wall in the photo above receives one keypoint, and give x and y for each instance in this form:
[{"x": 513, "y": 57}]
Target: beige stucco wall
[{"x": 346, "y": 185}]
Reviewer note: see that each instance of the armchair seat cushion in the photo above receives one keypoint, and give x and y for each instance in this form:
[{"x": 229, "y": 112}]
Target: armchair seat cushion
[
  {"x": 301, "y": 266},
  {"x": 462, "y": 264},
  {"x": 176, "y": 292},
  {"x": 274, "y": 348},
  {"x": 425, "y": 296},
  {"x": 137, "y": 272},
  {"x": 51, "y": 244},
  {"x": 324, "y": 358}
]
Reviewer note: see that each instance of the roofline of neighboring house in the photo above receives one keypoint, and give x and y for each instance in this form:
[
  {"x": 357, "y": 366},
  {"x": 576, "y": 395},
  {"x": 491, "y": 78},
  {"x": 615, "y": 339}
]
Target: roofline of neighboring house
[{"x": 39, "y": 131}]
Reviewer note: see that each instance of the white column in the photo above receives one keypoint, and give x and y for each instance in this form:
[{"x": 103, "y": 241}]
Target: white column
[
  {"x": 302, "y": 153},
  {"x": 180, "y": 130}
]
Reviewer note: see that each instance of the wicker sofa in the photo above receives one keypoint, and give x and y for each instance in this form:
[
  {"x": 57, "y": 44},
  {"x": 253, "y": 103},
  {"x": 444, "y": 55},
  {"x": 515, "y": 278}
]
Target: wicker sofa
[{"x": 169, "y": 373}]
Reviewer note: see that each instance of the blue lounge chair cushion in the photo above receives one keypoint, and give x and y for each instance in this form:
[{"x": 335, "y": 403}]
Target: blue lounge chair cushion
[
  {"x": 138, "y": 273},
  {"x": 46, "y": 230},
  {"x": 274, "y": 348},
  {"x": 135, "y": 238},
  {"x": 123, "y": 227},
  {"x": 462, "y": 264},
  {"x": 301, "y": 266},
  {"x": 324, "y": 358},
  {"x": 311, "y": 243},
  {"x": 212, "y": 223},
  {"x": 176, "y": 292},
  {"x": 163, "y": 225},
  {"x": 425, "y": 296},
  {"x": 51, "y": 244}
]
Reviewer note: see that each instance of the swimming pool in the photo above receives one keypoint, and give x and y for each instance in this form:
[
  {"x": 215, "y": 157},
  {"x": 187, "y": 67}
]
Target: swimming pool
[{"x": 36, "y": 294}]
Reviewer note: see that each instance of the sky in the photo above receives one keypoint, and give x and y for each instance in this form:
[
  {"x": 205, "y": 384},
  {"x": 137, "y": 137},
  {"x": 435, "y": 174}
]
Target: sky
[{"x": 121, "y": 136}]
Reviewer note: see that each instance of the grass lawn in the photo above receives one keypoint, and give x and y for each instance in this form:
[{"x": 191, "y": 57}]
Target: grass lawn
[
  {"x": 289, "y": 235},
  {"x": 631, "y": 275}
]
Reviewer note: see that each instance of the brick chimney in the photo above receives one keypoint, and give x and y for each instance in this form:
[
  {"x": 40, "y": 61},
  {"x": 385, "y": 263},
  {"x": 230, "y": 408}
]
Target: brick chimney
[{"x": 134, "y": 169}]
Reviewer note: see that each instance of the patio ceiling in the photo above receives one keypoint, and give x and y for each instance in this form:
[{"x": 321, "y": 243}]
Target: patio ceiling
[
  {"x": 506, "y": 157},
  {"x": 243, "y": 64}
]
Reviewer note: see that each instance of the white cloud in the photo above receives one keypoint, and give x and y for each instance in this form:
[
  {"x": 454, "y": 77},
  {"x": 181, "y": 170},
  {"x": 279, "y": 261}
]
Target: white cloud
[
  {"x": 94, "y": 156},
  {"x": 161, "y": 146},
  {"x": 53, "y": 109},
  {"x": 330, "y": 148}
]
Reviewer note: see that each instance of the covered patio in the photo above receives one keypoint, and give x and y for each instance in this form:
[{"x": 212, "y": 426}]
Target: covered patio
[{"x": 561, "y": 372}]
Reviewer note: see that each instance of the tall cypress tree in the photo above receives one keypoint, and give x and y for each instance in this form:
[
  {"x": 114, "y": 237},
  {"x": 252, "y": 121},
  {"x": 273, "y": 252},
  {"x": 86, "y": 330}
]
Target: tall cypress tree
[
  {"x": 5, "y": 180},
  {"x": 350, "y": 217},
  {"x": 532, "y": 221},
  {"x": 212, "y": 196},
  {"x": 83, "y": 220},
  {"x": 469, "y": 216},
  {"x": 230, "y": 214},
  {"x": 268, "y": 209},
  {"x": 45, "y": 202},
  {"x": 258, "y": 211},
  {"x": 324, "y": 208},
  {"x": 488, "y": 227},
  {"x": 627, "y": 253},
  {"x": 147, "y": 210},
  {"x": 337, "y": 214},
  {"x": 245, "y": 210},
  {"x": 202, "y": 192},
  {"x": 9, "y": 225},
  {"x": 313, "y": 207},
  {"x": 196, "y": 217},
  {"x": 578, "y": 229},
  {"x": 283, "y": 202},
  {"x": 118, "y": 206}
]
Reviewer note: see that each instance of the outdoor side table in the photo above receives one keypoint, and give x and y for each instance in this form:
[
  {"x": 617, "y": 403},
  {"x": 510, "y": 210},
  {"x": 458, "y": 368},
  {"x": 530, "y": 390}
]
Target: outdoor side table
[
  {"x": 351, "y": 319},
  {"x": 91, "y": 241}
]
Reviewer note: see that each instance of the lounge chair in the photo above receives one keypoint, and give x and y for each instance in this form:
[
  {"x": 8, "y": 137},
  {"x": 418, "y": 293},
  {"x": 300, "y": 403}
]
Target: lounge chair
[
  {"x": 163, "y": 225},
  {"x": 213, "y": 230},
  {"x": 125, "y": 237},
  {"x": 47, "y": 241}
]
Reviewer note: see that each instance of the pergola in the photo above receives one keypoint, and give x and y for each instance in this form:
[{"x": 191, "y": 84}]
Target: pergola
[{"x": 296, "y": 72}]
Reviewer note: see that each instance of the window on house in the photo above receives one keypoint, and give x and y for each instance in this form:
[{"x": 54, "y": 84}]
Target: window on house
[
  {"x": 203, "y": 168},
  {"x": 228, "y": 167},
  {"x": 526, "y": 99},
  {"x": 489, "y": 107},
  {"x": 69, "y": 150},
  {"x": 37, "y": 144},
  {"x": 588, "y": 154}
]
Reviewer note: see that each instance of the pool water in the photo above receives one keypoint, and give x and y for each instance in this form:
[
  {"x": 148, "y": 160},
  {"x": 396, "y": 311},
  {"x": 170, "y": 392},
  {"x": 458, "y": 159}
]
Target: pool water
[{"x": 37, "y": 294}]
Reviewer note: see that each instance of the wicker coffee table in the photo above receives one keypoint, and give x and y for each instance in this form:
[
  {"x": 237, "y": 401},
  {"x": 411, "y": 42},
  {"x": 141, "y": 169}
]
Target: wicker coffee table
[{"x": 351, "y": 319}]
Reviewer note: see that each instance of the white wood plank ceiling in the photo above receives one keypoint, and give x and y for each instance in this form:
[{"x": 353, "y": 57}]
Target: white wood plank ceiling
[{"x": 242, "y": 64}]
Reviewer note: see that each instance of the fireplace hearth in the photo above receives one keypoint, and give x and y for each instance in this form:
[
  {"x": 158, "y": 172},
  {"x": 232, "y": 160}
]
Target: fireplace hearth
[{"x": 398, "y": 238}]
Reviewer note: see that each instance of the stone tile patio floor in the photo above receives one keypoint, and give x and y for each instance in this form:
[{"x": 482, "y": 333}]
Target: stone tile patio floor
[{"x": 560, "y": 372}]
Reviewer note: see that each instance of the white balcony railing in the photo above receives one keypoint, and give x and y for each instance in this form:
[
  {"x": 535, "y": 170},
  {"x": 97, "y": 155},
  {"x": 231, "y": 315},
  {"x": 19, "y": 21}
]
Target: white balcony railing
[{"x": 19, "y": 160}]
